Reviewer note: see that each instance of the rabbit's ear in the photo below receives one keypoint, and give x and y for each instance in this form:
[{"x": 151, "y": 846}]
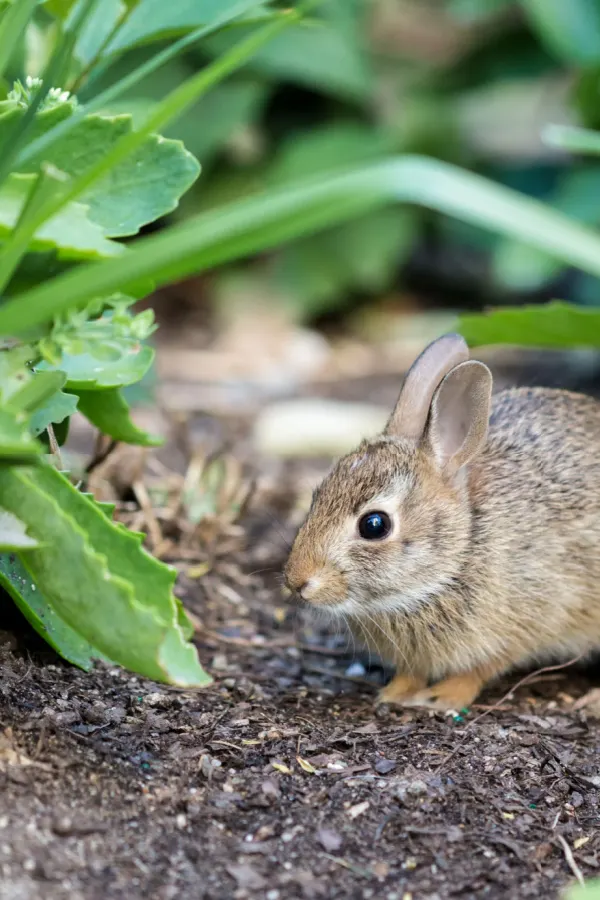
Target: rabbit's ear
[
  {"x": 460, "y": 411},
  {"x": 412, "y": 409}
]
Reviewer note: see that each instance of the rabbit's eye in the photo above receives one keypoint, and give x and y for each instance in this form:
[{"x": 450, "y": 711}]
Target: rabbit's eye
[{"x": 374, "y": 526}]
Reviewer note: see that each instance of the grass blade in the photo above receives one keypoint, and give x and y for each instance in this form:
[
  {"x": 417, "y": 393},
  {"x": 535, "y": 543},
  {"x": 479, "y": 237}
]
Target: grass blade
[
  {"x": 269, "y": 220},
  {"x": 12, "y": 25},
  {"x": 573, "y": 139}
]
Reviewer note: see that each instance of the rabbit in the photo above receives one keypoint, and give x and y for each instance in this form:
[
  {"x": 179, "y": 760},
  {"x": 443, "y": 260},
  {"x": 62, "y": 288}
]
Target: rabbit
[{"x": 464, "y": 541}]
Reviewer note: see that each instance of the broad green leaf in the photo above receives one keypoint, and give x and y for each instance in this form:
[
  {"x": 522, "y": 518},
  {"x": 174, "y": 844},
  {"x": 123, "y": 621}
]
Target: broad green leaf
[
  {"x": 588, "y": 891},
  {"x": 107, "y": 367},
  {"x": 98, "y": 578},
  {"x": 13, "y": 533},
  {"x": 571, "y": 30},
  {"x": 262, "y": 222},
  {"x": 38, "y": 391},
  {"x": 475, "y": 11},
  {"x": 554, "y": 324},
  {"x": 519, "y": 267},
  {"x": 16, "y": 442},
  {"x": 70, "y": 232},
  {"x": 102, "y": 352},
  {"x": 142, "y": 188},
  {"x": 58, "y": 408},
  {"x": 315, "y": 54},
  {"x": 360, "y": 255},
  {"x": 154, "y": 19},
  {"x": 15, "y": 371},
  {"x": 17, "y": 581},
  {"x": 327, "y": 149},
  {"x": 212, "y": 121},
  {"x": 109, "y": 412}
]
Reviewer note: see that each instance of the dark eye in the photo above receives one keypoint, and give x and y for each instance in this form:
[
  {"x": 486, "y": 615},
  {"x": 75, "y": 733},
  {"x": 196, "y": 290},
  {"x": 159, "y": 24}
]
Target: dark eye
[{"x": 374, "y": 526}]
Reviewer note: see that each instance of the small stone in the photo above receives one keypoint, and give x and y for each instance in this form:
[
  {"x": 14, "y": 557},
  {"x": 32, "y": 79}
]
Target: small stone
[
  {"x": 356, "y": 670},
  {"x": 329, "y": 839},
  {"x": 385, "y": 766},
  {"x": 63, "y": 825}
]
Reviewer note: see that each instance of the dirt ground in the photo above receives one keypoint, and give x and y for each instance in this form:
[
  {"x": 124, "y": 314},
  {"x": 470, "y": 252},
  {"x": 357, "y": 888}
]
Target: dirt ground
[{"x": 282, "y": 780}]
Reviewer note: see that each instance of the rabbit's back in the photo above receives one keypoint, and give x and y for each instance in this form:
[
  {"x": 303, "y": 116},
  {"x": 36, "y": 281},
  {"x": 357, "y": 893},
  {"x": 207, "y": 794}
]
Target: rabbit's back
[
  {"x": 543, "y": 451},
  {"x": 535, "y": 500}
]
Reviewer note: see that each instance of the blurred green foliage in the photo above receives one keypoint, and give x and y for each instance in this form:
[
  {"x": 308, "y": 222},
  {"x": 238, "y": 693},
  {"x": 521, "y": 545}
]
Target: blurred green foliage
[{"x": 473, "y": 82}]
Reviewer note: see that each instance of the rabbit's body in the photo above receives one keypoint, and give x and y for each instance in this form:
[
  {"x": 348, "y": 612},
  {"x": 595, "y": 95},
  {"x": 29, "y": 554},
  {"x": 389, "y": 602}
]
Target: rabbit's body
[
  {"x": 489, "y": 564},
  {"x": 525, "y": 584}
]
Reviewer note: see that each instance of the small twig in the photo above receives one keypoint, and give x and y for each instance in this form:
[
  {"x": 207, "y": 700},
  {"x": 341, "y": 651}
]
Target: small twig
[
  {"x": 143, "y": 498},
  {"x": 237, "y": 641},
  {"x": 102, "y": 451},
  {"x": 571, "y": 860},
  {"x": 54, "y": 446},
  {"x": 319, "y": 670},
  {"x": 526, "y": 680}
]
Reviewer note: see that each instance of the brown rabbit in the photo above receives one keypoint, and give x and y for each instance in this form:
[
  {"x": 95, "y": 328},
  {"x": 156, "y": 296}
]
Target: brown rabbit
[{"x": 465, "y": 540}]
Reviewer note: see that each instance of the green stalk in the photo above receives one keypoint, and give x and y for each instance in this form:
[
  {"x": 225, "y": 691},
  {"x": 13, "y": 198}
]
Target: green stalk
[
  {"x": 12, "y": 25},
  {"x": 267, "y": 221},
  {"x": 165, "y": 111}
]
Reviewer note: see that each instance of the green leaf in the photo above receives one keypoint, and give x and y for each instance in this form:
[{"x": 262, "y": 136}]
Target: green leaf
[
  {"x": 309, "y": 206},
  {"x": 70, "y": 232},
  {"x": 38, "y": 390},
  {"x": 96, "y": 370},
  {"x": 103, "y": 352},
  {"x": 16, "y": 580},
  {"x": 58, "y": 408},
  {"x": 16, "y": 443},
  {"x": 575, "y": 140},
  {"x": 99, "y": 580},
  {"x": 97, "y": 31},
  {"x": 571, "y": 31},
  {"x": 588, "y": 891},
  {"x": 12, "y": 28},
  {"x": 140, "y": 189},
  {"x": 555, "y": 324},
  {"x": 61, "y": 9},
  {"x": 15, "y": 371},
  {"x": 155, "y": 19},
  {"x": 109, "y": 412},
  {"x": 13, "y": 533},
  {"x": 359, "y": 255},
  {"x": 316, "y": 54}
]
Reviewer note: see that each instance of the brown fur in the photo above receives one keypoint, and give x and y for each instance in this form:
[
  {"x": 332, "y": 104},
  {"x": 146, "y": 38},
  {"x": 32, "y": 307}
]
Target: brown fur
[{"x": 496, "y": 567}]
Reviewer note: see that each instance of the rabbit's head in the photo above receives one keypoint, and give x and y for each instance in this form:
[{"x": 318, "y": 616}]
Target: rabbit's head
[{"x": 389, "y": 526}]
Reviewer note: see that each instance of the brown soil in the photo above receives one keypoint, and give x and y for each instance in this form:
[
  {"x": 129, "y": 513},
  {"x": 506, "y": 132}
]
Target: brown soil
[{"x": 281, "y": 780}]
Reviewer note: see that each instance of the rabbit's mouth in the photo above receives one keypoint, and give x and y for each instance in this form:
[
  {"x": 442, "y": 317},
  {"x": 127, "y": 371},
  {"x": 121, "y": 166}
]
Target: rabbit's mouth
[{"x": 324, "y": 587}]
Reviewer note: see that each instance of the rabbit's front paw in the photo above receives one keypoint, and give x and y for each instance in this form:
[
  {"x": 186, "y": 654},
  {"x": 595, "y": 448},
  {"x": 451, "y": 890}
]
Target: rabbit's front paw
[
  {"x": 454, "y": 693},
  {"x": 401, "y": 689}
]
